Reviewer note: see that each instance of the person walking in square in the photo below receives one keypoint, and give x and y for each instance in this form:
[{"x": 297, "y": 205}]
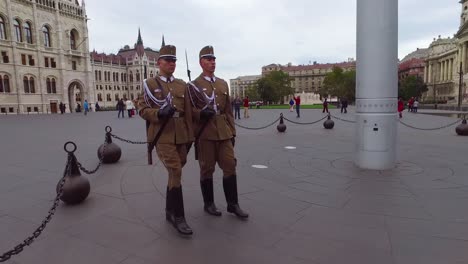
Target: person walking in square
[
  {"x": 246, "y": 107},
  {"x": 325, "y": 106},
  {"x": 401, "y": 107},
  {"x": 344, "y": 105},
  {"x": 291, "y": 105},
  {"x": 215, "y": 134},
  {"x": 166, "y": 105},
  {"x": 298, "y": 106},
  {"x": 86, "y": 107},
  {"x": 120, "y": 108},
  {"x": 237, "y": 104}
]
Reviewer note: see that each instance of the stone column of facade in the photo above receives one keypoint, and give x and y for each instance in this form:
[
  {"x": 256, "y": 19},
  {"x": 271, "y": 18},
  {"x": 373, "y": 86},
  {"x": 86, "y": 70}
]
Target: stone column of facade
[
  {"x": 57, "y": 43},
  {"x": 14, "y": 59},
  {"x": 463, "y": 58},
  {"x": 425, "y": 73},
  {"x": 377, "y": 89},
  {"x": 39, "y": 83}
]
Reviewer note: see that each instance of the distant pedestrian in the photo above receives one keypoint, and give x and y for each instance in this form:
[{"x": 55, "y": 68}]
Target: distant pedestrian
[
  {"x": 86, "y": 107},
  {"x": 246, "y": 107},
  {"x": 291, "y": 105},
  {"x": 129, "y": 106},
  {"x": 344, "y": 105},
  {"x": 237, "y": 104},
  {"x": 325, "y": 106},
  {"x": 415, "y": 105},
  {"x": 120, "y": 108},
  {"x": 410, "y": 104},
  {"x": 298, "y": 106},
  {"x": 97, "y": 107},
  {"x": 401, "y": 107},
  {"x": 78, "y": 108},
  {"x": 62, "y": 108}
]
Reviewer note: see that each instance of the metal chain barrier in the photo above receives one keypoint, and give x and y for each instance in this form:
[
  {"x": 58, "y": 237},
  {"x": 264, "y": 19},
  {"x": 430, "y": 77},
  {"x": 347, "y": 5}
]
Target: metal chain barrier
[
  {"x": 258, "y": 128},
  {"x": 429, "y": 129},
  {"x": 28, "y": 241},
  {"x": 83, "y": 169},
  {"x": 341, "y": 119},
  {"x": 130, "y": 141},
  {"x": 308, "y": 123}
]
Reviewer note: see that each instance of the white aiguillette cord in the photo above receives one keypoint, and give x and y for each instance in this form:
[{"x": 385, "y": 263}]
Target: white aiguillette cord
[
  {"x": 209, "y": 99},
  {"x": 149, "y": 96}
]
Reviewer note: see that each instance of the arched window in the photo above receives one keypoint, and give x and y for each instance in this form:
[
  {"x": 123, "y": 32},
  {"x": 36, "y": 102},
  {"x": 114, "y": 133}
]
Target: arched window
[
  {"x": 2, "y": 28},
  {"x": 99, "y": 97},
  {"x": 116, "y": 97},
  {"x": 108, "y": 97},
  {"x": 100, "y": 76},
  {"x": 137, "y": 76},
  {"x": 49, "y": 86},
  {"x": 18, "y": 35},
  {"x": 131, "y": 76},
  {"x": 73, "y": 39},
  {"x": 96, "y": 75},
  {"x": 1, "y": 84},
  {"x": 4, "y": 84},
  {"x": 31, "y": 85},
  {"x": 46, "y": 34},
  {"x": 28, "y": 32},
  {"x": 54, "y": 86},
  {"x": 28, "y": 84}
]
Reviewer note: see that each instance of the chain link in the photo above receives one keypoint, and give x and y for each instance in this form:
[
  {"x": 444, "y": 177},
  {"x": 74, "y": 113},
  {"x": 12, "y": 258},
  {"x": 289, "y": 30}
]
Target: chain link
[
  {"x": 98, "y": 166},
  {"x": 344, "y": 120},
  {"x": 28, "y": 241},
  {"x": 258, "y": 128},
  {"x": 308, "y": 123},
  {"x": 429, "y": 129},
  {"x": 129, "y": 141}
]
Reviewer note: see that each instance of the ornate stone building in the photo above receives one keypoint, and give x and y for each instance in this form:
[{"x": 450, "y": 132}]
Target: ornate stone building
[
  {"x": 413, "y": 64},
  {"x": 241, "y": 84},
  {"x": 45, "y": 59},
  {"x": 45, "y": 56},
  {"x": 308, "y": 78},
  {"x": 445, "y": 60}
]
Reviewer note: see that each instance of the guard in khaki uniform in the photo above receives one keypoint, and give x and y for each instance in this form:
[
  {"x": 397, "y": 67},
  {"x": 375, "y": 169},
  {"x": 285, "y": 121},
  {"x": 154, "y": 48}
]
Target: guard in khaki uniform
[
  {"x": 166, "y": 105},
  {"x": 215, "y": 134}
]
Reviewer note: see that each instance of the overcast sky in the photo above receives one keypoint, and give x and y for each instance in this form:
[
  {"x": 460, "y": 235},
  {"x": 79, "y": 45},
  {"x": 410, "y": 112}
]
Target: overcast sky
[{"x": 248, "y": 34}]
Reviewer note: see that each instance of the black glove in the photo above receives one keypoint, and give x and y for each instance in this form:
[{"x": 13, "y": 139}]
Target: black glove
[
  {"x": 207, "y": 113},
  {"x": 166, "y": 112},
  {"x": 233, "y": 141}
]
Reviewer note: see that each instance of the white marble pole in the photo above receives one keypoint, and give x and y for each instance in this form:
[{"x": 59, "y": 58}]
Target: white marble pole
[{"x": 377, "y": 84}]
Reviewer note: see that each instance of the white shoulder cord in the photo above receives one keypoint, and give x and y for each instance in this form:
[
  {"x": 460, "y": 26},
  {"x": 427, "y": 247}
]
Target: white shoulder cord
[{"x": 149, "y": 96}]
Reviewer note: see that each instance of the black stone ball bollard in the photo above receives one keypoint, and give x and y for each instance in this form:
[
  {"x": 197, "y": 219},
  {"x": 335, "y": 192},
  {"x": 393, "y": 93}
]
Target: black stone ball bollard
[
  {"x": 76, "y": 187},
  {"x": 462, "y": 129},
  {"x": 281, "y": 127},
  {"x": 328, "y": 124},
  {"x": 109, "y": 151}
]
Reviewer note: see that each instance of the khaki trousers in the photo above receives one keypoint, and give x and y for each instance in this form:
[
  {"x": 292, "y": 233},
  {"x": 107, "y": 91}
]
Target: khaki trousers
[
  {"x": 211, "y": 152},
  {"x": 174, "y": 158}
]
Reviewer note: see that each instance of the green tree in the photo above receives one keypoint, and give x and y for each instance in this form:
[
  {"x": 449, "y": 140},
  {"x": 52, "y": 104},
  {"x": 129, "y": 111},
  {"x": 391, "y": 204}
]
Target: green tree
[
  {"x": 339, "y": 83},
  {"x": 273, "y": 87},
  {"x": 411, "y": 86},
  {"x": 252, "y": 93}
]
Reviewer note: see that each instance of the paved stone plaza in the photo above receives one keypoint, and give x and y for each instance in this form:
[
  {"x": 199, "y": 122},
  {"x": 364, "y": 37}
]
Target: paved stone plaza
[{"x": 311, "y": 205}]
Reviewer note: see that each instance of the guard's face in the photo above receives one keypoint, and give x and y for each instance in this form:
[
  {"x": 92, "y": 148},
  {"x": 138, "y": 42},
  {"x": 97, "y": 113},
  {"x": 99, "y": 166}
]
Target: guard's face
[
  {"x": 167, "y": 65},
  {"x": 208, "y": 64}
]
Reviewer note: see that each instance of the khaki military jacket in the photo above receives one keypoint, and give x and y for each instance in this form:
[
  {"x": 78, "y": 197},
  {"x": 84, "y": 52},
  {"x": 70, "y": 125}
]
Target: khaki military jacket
[
  {"x": 220, "y": 127},
  {"x": 179, "y": 129}
]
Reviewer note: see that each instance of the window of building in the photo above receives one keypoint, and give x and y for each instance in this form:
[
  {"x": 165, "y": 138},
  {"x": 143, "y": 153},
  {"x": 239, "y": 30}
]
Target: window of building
[
  {"x": 53, "y": 63},
  {"x": 18, "y": 35},
  {"x": 100, "y": 86},
  {"x": 5, "y": 58},
  {"x": 11, "y": 109},
  {"x": 2, "y": 28},
  {"x": 100, "y": 76},
  {"x": 46, "y": 35},
  {"x": 74, "y": 65},
  {"x": 23, "y": 59},
  {"x": 96, "y": 75},
  {"x": 28, "y": 32},
  {"x": 73, "y": 39},
  {"x": 99, "y": 97},
  {"x": 131, "y": 76},
  {"x": 28, "y": 84},
  {"x": 31, "y": 60},
  {"x": 117, "y": 77},
  {"x": 46, "y": 62},
  {"x": 116, "y": 97},
  {"x": 131, "y": 96},
  {"x": 4, "y": 84},
  {"x": 108, "y": 97},
  {"x": 122, "y": 77},
  {"x": 137, "y": 76}
]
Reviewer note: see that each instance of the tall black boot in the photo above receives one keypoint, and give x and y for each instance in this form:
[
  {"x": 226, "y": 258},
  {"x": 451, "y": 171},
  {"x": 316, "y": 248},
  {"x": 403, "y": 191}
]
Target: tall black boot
[
  {"x": 169, "y": 211},
  {"x": 208, "y": 197},
  {"x": 230, "y": 191},
  {"x": 178, "y": 217}
]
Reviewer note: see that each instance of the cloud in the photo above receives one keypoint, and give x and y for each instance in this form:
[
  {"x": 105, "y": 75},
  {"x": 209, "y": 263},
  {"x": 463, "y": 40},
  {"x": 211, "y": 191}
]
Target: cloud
[{"x": 248, "y": 34}]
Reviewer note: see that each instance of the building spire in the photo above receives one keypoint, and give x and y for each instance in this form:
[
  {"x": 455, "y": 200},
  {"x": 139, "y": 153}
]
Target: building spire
[
  {"x": 139, "y": 41},
  {"x": 163, "y": 43}
]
